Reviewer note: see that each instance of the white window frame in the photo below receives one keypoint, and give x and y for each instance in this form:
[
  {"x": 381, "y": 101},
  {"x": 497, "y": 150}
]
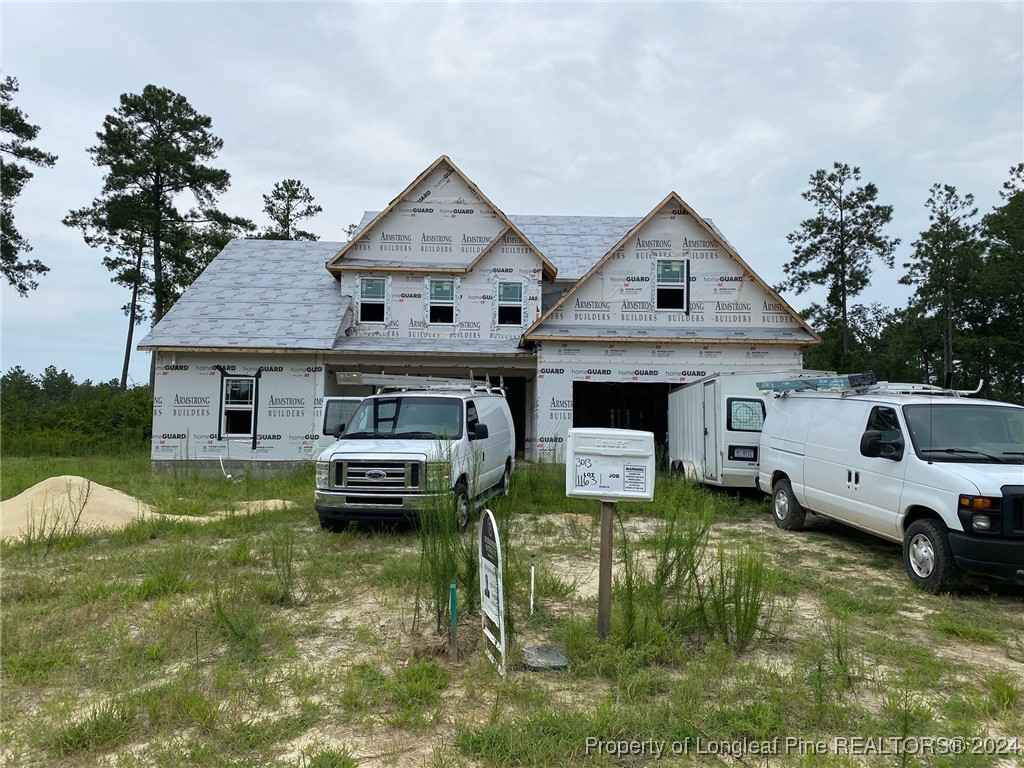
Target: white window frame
[
  {"x": 518, "y": 303},
  {"x": 432, "y": 302},
  {"x": 232, "y": 406},
  {"x": 682, "y": 285},
  {"x": 373, "y": 300}
]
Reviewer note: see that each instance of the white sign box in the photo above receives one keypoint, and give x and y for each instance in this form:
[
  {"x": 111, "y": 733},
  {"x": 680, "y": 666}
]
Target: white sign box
[{"x": 610, "y": 464}]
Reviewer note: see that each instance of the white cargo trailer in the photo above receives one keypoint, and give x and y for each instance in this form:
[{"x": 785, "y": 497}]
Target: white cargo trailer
[{"x": 714, "y": 426}]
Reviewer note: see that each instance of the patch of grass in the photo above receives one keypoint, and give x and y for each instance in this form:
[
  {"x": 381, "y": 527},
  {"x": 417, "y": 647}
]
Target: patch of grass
[
  {"x": 107, "y": 726},
  {"x": 245, "y": 641}
]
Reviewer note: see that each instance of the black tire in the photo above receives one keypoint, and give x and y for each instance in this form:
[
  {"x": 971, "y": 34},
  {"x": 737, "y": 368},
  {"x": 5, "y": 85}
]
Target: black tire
[
  {"x": 928, "y": 557},
  {"x": 334, "y": 526},
  {"x": 787, "y": 512},
  {"x": 506, "y": 476},
  {"x": 463, "y": 509}
]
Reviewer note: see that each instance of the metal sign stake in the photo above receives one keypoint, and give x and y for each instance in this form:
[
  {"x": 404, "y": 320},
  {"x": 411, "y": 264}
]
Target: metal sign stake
[{"x": 604, "y": 575}]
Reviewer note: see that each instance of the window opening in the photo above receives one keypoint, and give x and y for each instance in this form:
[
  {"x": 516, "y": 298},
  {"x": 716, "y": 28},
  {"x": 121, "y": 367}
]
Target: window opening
[
  {"x": 238, "y": 406},
  {"x": 510, "y": 303},
  {"x": 371, "y": 300},
  {"x": 442, "y": 301},
  {"x": 673, "y": 284}
]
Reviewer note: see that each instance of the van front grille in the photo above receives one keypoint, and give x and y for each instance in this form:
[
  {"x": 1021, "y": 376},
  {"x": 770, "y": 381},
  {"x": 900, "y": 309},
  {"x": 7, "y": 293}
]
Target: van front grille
[{"x": 377, "y": 476}]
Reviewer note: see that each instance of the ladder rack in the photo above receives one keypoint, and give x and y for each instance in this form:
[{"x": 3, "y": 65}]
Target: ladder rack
[
  {"x": 860, "y": 382},
  {"x": 394, "y": 382},
  {"x": 848, "y": 382}
]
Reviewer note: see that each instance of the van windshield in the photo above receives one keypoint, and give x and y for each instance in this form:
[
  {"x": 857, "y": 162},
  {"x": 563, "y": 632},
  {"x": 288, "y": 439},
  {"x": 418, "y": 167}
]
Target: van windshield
[
  {"x": 967, "y": 433},
  {"x": 408, "y": 418}
]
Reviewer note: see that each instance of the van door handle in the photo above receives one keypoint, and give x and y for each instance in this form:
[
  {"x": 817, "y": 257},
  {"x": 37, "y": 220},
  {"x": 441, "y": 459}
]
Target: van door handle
[
  {"x": 849, "y": 476},
  {"x": 856, "y": 478}
]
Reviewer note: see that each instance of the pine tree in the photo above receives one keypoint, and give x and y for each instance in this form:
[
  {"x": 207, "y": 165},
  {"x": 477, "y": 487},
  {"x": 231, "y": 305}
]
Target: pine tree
[
  {"x": 835, "y": 248},
  {"x": 288, "y": 203},
  {"x": 18, "y": 133},
  {"x": 155, "y": 148}
]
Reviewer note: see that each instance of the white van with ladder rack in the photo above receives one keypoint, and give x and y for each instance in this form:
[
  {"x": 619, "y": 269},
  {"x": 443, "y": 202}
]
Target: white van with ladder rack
[
  {"x": 938, "y": 471},
  {"x": 416, "y": 438}
]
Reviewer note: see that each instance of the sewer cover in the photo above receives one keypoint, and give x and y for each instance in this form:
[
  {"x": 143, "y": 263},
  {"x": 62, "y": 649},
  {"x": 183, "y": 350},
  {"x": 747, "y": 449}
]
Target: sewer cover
[{"x": 541, "y": 658}]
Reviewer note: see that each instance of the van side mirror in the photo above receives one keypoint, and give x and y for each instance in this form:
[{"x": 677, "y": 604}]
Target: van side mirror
[
  {"x": 888, "y": 445},
  {"x": 338, "y": 430},
  {"x": 479, "y": 432}
]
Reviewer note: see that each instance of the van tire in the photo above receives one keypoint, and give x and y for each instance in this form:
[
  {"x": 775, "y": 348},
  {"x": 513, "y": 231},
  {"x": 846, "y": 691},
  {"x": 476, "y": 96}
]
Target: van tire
[
  {"x": 928, "y": 557},
  {"x": 463, "y": 508},
  {"x": 334, "y": 526},
  {"x": 787, "y": 512},
  {"x": 506, "y": 476}
]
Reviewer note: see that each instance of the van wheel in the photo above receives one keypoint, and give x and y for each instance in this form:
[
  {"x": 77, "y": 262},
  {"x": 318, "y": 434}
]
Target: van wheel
[
  {"x": 788, "y": 513},
  {"x": 335, "y": 526},
  {"x": 462, "y": 506},
  {"x": 506, "y": 476},
  {"x": 927, "y": 556}
]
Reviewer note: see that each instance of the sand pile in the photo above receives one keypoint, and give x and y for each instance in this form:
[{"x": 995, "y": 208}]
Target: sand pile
[{"x": 66, "y": 503}]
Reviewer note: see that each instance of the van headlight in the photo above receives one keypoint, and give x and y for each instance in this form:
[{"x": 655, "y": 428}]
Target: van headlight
[
  {"x": 323, "y": 474},
  {"x": 981, "y": 512}
]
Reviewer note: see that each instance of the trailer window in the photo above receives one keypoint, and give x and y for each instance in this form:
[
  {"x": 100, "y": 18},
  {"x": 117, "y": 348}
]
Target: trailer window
[
  {"x": 238, "y": 406},
  {"x": 744, "y": 415}
]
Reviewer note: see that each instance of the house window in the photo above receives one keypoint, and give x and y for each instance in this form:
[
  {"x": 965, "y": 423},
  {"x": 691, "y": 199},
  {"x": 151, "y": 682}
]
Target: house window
[
  {"x": 442, "y": 301},
  {"x": 371, "y": 300},
  {"x": 510, "y": 303},
  {"x": 238, "y": 406},
  {"x": 673, "y": 285}
]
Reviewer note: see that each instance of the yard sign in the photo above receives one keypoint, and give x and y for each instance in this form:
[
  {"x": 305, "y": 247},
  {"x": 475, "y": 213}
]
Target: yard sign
[{"x": 492, "y": 594}]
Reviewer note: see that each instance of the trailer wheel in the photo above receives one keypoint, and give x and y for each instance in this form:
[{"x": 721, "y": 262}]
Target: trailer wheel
[
  {"x": 788, "y": 513},
  {"x": 462, "y": 506},
  {"x": 928, "y": 558}
]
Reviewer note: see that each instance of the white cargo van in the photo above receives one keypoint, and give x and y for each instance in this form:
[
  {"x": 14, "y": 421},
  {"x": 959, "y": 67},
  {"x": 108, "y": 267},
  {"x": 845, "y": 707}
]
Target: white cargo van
[
  {"x": 714, "y": 426},
  {"x": 417, "y": 438},
  {"x": 937, "y": 471}
]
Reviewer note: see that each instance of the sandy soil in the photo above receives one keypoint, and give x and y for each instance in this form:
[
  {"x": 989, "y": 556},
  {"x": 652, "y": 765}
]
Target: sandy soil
[{"x": 68, "y": 502}]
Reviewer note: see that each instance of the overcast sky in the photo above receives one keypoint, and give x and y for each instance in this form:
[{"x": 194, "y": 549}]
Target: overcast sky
[{"x": 551, "y": 108}]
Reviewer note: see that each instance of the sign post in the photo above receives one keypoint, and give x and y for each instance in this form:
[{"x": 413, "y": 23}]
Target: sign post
[
  {"x": 608, "y": 465},
  {"x": 492, "y": 592}
]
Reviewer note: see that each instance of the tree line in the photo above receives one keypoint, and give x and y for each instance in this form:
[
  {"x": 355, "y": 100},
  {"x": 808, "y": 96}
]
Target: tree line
[
  {"x": 159, "y": 224},
  {"x": 54, "y": 415},
  {"x": 964, "y": 322}
]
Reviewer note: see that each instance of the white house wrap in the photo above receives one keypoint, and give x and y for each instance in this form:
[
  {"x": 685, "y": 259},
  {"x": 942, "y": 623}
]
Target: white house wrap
[{"x": 589, "y": 321}]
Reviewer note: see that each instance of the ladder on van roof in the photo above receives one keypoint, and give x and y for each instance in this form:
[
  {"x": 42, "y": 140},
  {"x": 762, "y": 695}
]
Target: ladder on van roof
[
  {"x": 860, "y": 382},
  {"x": 394, "y": 382},
  {"x": 848, "y": 382}
]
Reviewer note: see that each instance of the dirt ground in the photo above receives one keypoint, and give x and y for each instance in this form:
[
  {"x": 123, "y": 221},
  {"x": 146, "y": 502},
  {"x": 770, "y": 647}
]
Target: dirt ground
[{"x": 68, "y": 502}]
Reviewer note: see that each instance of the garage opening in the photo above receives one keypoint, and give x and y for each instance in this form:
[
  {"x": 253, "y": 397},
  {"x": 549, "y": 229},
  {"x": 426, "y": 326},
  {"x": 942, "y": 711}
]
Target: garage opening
[{"x": 621, "y": 406}]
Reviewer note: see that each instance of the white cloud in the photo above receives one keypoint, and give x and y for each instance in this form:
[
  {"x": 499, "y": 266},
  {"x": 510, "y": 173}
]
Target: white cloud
[{"x": 599, "y": 108}]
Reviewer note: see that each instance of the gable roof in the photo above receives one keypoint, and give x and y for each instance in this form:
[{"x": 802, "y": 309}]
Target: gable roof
[
  {"x": 340, "y": 263},
  {"x": 533, "y": 332}
]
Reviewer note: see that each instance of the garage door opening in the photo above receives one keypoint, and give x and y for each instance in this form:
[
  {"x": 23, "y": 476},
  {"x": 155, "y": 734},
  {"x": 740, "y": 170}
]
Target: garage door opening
[{"x": 621, "y": 406}]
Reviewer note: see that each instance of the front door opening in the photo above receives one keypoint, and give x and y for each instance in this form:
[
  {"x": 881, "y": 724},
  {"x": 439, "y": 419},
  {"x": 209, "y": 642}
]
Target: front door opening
[{"x": 621, "y": 406}]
